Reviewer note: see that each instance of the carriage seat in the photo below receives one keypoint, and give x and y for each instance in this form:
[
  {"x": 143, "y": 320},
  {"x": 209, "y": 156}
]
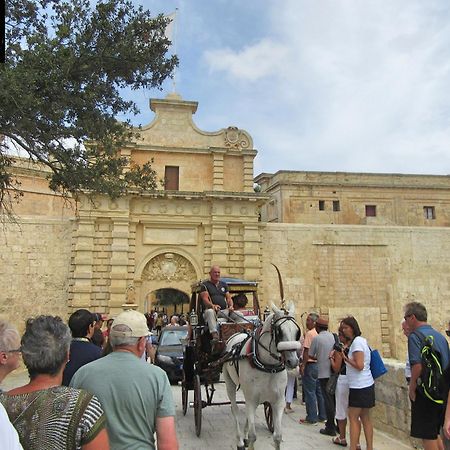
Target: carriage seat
[{"x": 227, "y": 329}]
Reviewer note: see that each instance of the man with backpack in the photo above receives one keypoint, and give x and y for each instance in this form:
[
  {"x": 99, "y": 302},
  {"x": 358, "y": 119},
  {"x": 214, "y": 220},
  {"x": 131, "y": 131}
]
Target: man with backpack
[{"x": 429, "y": 357}]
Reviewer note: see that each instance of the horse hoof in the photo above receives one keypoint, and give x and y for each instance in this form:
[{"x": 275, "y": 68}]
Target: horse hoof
[{"x": 241, "y": 448}]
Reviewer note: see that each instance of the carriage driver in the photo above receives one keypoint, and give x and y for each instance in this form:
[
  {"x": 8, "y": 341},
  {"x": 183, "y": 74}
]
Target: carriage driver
[{"x": 216, "y": 297}]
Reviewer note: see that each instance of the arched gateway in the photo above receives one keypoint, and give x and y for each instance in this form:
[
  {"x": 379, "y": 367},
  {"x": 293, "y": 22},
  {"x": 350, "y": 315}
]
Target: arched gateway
[{"x": 205, "y": 212}]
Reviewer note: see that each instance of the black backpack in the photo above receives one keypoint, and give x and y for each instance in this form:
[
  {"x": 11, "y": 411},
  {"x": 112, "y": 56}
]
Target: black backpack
[{"x": 431, "y": 383}]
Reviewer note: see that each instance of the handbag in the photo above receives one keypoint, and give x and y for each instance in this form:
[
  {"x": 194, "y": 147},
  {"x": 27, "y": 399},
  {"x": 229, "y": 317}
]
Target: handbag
[
  {"x": 332, "y": 381},
  {"x": 377, "y": 366}
]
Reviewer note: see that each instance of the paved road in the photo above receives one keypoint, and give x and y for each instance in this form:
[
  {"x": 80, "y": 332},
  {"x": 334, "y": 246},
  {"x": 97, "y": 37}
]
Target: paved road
[{"x": 218, "y": 430}]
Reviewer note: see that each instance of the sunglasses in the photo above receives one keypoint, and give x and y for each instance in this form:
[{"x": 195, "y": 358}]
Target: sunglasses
[{"x": 447, "y": 332}]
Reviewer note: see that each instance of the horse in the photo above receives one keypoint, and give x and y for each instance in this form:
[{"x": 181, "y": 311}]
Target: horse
[{"x": 258, "y": 366}]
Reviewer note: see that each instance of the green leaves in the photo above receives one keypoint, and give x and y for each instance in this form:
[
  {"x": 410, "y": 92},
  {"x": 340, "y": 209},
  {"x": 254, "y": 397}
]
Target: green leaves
[{"x": 66, "y": 62}]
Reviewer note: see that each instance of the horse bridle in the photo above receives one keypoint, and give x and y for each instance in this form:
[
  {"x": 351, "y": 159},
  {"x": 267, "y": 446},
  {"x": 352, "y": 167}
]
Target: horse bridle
[{"x": 275, "y": 337}]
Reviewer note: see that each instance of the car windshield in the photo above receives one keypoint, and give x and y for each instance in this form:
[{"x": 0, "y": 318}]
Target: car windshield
[{"x": 172, "y": 337}]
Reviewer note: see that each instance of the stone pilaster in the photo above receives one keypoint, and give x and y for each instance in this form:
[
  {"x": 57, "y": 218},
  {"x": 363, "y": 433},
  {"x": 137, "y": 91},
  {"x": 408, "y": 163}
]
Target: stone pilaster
[
  {"x": 83, "y": 260},
  {"x": 218, "y": 170},
  {"x": 119, "y": 264},
  {"x": 252, "y": 251},
  {"x": 248, "y": 173}
]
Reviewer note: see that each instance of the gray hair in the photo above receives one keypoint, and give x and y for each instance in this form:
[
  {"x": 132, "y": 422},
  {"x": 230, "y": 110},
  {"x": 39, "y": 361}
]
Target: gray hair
[
  {"x": 9, "y": 336},
  {"x": 122, "y": 341},
  {"x": 314, "y": 316},
  {"x": 45, "y": 345},
  {"x": 416, "y": 309}
]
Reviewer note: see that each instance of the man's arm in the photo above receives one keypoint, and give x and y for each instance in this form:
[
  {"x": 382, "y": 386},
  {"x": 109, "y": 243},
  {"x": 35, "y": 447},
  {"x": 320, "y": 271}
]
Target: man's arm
[
  {"x": 166, "y": 436},
  {"x": 304, "y": 360},
  {"x": 206, "y": 299},
  {"x": 416, "y": 370}
]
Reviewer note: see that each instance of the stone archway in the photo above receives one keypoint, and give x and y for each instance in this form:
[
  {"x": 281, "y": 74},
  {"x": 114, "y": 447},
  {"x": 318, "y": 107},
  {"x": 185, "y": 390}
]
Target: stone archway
[{"x": 168, "y": 270}]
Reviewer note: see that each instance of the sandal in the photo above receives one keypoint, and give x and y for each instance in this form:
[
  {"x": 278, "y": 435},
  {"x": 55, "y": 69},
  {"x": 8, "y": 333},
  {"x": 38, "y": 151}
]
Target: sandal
[{"x": 338, "y": 441}]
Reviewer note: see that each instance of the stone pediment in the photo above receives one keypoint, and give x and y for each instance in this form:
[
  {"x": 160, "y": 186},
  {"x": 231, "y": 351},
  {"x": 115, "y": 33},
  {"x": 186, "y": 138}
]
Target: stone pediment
[{"x": 173, "y": 127}]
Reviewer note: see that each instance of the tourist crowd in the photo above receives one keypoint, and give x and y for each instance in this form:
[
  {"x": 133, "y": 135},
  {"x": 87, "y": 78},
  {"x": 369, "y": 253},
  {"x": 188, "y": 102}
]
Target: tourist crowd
[
  {"x": 85, "y": 393},
  {"x": 79, "y": 395},
  {"x": 338, "y": 385}
]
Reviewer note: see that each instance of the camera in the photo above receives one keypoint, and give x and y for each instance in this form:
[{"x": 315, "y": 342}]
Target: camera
[{"x": 338, "y": 347}]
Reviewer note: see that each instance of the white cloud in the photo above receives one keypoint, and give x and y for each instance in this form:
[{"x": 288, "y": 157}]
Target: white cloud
[
  {"x": 251, "y": 63},
  {"x": 346, "y": 85}
]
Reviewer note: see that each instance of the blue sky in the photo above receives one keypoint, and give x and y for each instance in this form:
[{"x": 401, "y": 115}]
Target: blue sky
[{"x": 328, "y": 85}]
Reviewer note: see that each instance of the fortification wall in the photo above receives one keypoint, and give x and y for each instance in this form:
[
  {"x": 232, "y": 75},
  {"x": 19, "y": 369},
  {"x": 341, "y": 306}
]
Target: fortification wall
[
  {"x": 34, "y": 268},
  {"x": 367, "y": 271}
]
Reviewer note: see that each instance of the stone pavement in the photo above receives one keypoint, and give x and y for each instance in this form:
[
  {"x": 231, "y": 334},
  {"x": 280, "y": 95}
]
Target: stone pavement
[{"x": 218, "y": 429}]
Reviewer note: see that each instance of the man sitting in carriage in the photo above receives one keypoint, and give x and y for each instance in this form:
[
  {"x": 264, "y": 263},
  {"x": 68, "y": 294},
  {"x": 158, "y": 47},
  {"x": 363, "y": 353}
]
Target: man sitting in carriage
[{"x": 216, "y": 300}]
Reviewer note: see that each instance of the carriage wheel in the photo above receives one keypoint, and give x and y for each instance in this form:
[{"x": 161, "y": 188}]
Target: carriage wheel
[
  {"x": 268, "y": 415},
  {"x": 184, "y": 394},
  {"x": 197, "y": 405}
]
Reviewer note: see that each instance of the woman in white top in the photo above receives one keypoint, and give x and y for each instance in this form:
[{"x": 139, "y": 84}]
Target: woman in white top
[{"x": 361, "y": 384}]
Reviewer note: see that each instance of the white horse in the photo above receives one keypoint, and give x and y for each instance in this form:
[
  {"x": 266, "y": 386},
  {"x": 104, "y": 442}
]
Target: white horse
[{"x": 259, "y": 370}]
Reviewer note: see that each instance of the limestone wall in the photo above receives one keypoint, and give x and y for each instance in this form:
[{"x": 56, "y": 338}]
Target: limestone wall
[
  {"x": 369, "y": 272},
  {"x": 34, "y": 268},
  {"x": 392, "y": 413}
]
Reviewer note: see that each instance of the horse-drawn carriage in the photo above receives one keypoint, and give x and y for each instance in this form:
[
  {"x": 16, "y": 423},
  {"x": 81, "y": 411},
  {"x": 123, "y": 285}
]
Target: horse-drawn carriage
[
  {"x": 202, "y": 366},
  {"x": 256, "y": 349}
]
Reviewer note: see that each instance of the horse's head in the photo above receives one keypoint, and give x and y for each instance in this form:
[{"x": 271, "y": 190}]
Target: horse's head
[{"x": 286, "y": 334}]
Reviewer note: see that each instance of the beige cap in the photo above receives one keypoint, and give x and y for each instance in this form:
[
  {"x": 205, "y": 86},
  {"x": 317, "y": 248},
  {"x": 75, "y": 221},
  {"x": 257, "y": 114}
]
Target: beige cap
[{"x": 134, "y": 320}]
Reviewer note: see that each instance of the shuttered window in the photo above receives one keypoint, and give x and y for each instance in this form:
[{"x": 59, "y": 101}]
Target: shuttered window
[{"x": 171, "y": 178}]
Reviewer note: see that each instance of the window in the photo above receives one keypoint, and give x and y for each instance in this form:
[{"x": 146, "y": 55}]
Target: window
[
  {"x": 371, "y": 210},
  {"x": 336, "y": 205},
  {"x": 171, "y": 178},
  {"x": 321, "y": 205},
  {"x": 429, "y": 213}
]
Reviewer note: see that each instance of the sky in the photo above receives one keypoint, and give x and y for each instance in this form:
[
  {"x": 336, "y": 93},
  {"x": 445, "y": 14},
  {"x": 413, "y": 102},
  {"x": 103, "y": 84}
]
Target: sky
[{"x": 320, "y": 85}]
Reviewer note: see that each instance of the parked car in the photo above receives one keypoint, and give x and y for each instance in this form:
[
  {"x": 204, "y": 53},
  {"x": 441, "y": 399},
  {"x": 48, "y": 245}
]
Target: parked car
[{"x": 169, "y": 351}]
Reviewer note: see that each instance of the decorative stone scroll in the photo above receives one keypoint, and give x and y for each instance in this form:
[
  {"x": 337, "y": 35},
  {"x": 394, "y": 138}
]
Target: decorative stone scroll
[
  {"x": 169, "y": 267},
  {"x": 235, "y": 138}
]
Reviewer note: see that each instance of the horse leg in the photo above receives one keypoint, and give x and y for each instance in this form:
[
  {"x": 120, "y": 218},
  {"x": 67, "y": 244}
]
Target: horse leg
[
  {"x": 277, "y": 412},
  {"x": 231, "y": 391},
  {"x": 250, "y": 410}
]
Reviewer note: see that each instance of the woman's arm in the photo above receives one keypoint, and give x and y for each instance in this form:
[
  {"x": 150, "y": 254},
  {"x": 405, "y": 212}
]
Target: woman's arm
[
  {"x": 100, "y": 442},
  {"x": 356, "y": 361},
  {"x": 336, "y": 359}
]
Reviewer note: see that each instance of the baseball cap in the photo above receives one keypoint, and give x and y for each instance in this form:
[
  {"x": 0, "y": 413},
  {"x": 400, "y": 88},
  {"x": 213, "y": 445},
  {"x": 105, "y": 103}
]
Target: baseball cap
[{"x": 134, "y": 320}]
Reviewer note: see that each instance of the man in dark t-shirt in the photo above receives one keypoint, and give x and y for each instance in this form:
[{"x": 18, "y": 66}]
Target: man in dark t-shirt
[
  {"x": 82, "y": 350},
  {"x": 216, "y": 297}
]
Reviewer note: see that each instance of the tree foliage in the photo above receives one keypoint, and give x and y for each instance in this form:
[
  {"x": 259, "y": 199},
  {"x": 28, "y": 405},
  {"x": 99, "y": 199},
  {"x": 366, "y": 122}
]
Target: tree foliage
[{"x": 66, "y": 62}]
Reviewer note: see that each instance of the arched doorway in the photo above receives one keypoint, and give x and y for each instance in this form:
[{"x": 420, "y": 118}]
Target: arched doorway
[
  {"x": 169, "y": 300},
  {"x": 164, "y": 282}
]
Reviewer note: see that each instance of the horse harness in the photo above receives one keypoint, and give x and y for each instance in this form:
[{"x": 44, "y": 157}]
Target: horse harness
[{"x": 252, "y": 341}]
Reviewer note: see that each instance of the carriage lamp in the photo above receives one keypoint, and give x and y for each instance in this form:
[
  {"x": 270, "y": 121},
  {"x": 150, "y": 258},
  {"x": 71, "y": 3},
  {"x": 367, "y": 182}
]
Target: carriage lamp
[{"x": 193, "y": 318}]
